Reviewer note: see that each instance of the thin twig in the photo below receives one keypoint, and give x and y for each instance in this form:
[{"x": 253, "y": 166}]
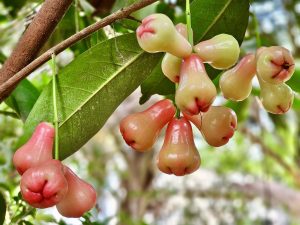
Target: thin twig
[{"x": 9, "y": 85}]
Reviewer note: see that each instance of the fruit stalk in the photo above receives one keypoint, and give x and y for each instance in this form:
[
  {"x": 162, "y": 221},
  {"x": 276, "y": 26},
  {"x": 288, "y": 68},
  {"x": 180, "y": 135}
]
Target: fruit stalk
[
  {"x": 55, "y": 114},
  {"x": 189, "y": 22}
]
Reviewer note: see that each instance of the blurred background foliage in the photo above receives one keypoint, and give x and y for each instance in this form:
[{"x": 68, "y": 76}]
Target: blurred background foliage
[{"x": 254, "y": 179}]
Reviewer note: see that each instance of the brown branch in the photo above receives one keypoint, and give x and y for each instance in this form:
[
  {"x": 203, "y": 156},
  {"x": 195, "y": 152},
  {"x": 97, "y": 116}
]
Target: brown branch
[
  {"x": 34, "y": 38},
  {"x": 7, "y": 87}
]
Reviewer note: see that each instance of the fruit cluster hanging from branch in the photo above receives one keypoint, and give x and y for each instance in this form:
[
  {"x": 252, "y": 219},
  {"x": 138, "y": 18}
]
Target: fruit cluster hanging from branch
[{"x": 183, "y": 64}]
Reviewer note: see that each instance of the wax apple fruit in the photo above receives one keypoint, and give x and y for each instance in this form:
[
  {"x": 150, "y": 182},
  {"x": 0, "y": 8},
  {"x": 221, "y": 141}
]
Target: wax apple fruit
[
  {"x": 196, "y": 92},
  {"x": 80, "y": 198},
  {"x": 171, "y": 64},
  {"x": 158, "y": 34},
  {"x": 236, "y": 83},
  {"x": 276, "y": 98},
  {"x": 140, "y": 130},
  {"x": 178, "y": 155},
  {"x": 37, "y": 150},
  {"x": 221, "y": 51},
  {"x": 217, "y": 125},
  {"x": 275, "y": 64},
  {"x": 45, "y": 185}
]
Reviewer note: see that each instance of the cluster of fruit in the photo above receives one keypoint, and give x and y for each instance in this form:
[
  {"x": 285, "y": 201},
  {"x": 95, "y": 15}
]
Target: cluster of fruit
[
  {"x": 47, "y": 182},
  {"x": 196, "y": 92}
]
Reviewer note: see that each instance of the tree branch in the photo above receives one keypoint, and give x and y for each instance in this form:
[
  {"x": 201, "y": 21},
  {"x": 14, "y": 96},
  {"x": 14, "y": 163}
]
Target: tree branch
[
  {"x": 7, "y": 87},
  {"x": 35, "y": 36}
]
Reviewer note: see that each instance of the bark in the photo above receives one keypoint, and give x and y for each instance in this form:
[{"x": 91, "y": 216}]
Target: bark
[{"x": 34, "y": 38}]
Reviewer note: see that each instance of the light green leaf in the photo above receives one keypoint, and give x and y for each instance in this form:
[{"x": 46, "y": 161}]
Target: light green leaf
[{"x": 91, "y": 88}]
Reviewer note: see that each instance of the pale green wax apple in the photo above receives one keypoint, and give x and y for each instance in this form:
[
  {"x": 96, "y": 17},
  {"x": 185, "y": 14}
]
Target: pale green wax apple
[
  {"x": 157, "y": 33},
  {"x": 221, "y": 51},
  {"x": 236, "y": 83}
]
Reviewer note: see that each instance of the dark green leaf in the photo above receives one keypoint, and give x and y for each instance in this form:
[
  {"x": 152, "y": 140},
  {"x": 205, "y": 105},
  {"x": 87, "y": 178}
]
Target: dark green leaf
[
  {"x": 91, "y": 88},
  {"x": 2, "y": 208},
  {"x": 209, "y": 18},
  {"x": 23, "y": 98},
  {"x": 157, "y": 82}
]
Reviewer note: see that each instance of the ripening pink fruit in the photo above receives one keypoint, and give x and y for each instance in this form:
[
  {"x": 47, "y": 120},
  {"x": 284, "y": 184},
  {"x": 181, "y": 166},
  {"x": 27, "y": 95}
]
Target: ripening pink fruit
[
  {"x": 236, "y": 83},
  {"x": 37, "y": 150},
  {"x": 221, "y": 51},
  {"x": 158, "y": 34},
  {"x": 140, "y": 130},
  {"x": 171, "y": 64},
  {"x": 80, "y": 198},
  {"x": 276, "y": 98},
  {"x": 195, "y": 92},
  {"x": 275, "y": 64},
  {"x": 179, "y": 155},
  {"x": 217, "y": 125},
  {"x": 44, "y": 185}
]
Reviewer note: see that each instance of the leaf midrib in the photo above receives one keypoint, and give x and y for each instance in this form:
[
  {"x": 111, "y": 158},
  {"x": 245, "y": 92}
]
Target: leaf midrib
[
  {"x": 216, "y": 19},
  {"x": 101, "y": 86}
]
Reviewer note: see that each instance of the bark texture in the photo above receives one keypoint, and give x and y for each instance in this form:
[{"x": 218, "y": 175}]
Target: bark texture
[{"x": 35, "y": 36}]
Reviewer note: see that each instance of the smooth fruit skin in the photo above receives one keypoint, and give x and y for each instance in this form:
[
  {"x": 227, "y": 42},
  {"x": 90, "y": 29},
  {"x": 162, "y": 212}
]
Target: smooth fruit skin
[
  {"x": 179, "y": 155},
  {"x": 195, "y": 92},
  {"x": 171, "y": 64},
  {"x": 236, "y": 83},
  {"x": 158, "y": 34},
  {"x": 221, "y": 51},
  {"x": 276, "y": 98},
  {"x": 37, "y": 150},
  {"x": 140, "y": 130},
  {"x": 80, "y": 198},
  {"x": 195, "y": 119},
  {"x": 45, "y": 185},
  {"x": 275, "y": 64},
  {"x": 218, "y": 125}
]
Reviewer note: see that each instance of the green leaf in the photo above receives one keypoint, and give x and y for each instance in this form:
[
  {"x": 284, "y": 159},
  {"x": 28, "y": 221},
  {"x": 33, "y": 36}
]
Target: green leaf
[
  {"x": 157, "y": 82},
  {"x": 23, "y": 98},
  {"x": 209, "y": 18},
  {"x": 2, "y": 208},
  {"x": 90, "y": 89},
  {"x": 294, "y": 81}
]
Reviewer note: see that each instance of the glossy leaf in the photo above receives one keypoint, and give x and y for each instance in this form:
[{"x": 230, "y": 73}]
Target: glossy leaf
[
  {"x": 91, "y": 88},
  {"x": 156, "y": 82},
  {"x": 209, "y": 18},
  {"x": 23, "y": 98}
]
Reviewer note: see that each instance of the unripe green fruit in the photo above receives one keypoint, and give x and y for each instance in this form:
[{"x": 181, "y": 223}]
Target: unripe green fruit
[
  {"x": 221, "y": 51},
  {"x": 236, "y": 83},
  {"x": 171, "y": 64},
  {"x": 275, "y": 64},
  {"x": 195, "y": 92},
  {"x": 276, "y": 98},
  {"x": 158, "y": 34},
  {"x": 140, "y": 130},
  {"x": 179, "y": 155}
]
